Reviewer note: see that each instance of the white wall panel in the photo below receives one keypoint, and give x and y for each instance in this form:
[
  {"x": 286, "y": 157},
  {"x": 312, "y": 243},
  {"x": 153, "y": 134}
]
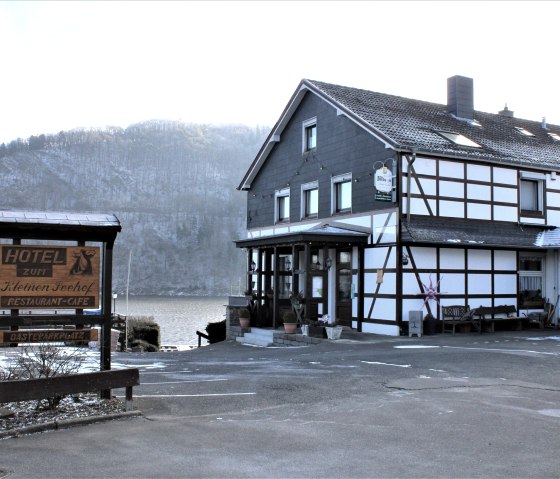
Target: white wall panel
[
  {"x": 478, "y": 192},
  {"x": 384, "y": 309},
  {"x": 480, "y": 283},
  {"x": 452, "y": 283},
  {"x": 428, "y": 186},
  {"x": 535, "y": 221},
  {"x": 450, "y": 302},
  {"x": 424, "y": 258},
  {"x": 370, "y": 282},
  {"x": 476, "y": 302},
  {"x": 505, "y": 260},
  {"x": 479, "y": 211},
  {"x": 479, "y": 259},
  {"x": 425, "y": 166},
  {"x": 452, "y": 189},
  {"x": 553, "y": 184},
  {"x": 375, "y": 257},
  {"x": 505, "y": 195},
  {"x": 505, "y": 213},
  {"x": 452, "y": 209},
  {"x": 410, "y": 285},
  {"x": 553, "y": 218},
  {"x": 389, "y": 231},
  {"x": 385, "y": 329},
  {"x": 451, "y": 258},
  {"x": 451, "y": 169},
  {"x": 507, "y": 176},
  {"x": 553, "y": 199},
  {"x": 505, "y": 284},
  {"x": 389, "y": 285},
  {"x": 478, "y": 172},
  {"x": 418, "y": 207}
]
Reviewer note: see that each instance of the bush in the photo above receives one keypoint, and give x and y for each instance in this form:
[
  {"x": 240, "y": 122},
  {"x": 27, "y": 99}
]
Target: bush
[
  {"x": 143, "y": 328},
  {"x": 216, "y": 331},
  {"x": 290, "y": 317}
]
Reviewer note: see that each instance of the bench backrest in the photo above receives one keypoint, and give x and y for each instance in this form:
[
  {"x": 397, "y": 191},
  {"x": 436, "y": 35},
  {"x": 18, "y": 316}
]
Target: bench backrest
[
  {"x": 455, "y": 312},
  {"x": 41, "y": 388},
  {"x": 485, "y": 311}
]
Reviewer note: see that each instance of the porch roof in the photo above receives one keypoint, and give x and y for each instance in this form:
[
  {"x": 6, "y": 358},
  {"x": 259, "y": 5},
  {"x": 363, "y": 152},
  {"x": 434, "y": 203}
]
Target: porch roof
[
  {"x": 478, "y": 234},
  {"x": 324, "y": 235}
]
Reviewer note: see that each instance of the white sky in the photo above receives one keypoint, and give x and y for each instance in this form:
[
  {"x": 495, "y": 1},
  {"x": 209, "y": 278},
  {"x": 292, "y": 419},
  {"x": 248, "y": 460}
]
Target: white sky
[{"x": 92, "y": 64}]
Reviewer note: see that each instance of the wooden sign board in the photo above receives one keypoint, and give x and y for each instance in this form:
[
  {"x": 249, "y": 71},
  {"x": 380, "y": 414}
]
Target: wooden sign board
[
  {"x": 48, "y": 335},
  {"x": 49, "y": 277}
]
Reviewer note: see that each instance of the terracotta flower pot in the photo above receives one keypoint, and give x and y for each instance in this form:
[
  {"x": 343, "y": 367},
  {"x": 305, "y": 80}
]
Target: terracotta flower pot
[
  {"x": 245, "y": 322},
  {"x": 290, "y": 328}
]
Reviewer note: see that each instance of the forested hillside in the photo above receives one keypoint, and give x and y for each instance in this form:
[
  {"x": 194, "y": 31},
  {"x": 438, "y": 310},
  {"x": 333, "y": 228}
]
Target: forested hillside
[{"x": 172, "y": 185}]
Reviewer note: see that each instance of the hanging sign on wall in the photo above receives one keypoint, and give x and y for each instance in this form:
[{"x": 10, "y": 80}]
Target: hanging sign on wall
[
  {"x": 383, "y": 184},
  {"x": 49, "y": 277}
]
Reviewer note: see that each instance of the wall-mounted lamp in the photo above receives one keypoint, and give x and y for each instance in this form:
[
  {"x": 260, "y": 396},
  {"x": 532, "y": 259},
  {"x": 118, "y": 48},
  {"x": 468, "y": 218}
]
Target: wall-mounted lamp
[
  {"x": 253, "y": 266},
  {"x": 404, "y": 259},
  {"x": 328, "y": 263}
]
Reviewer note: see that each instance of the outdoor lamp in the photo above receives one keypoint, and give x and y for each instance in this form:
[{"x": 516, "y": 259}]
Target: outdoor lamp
[{"x": 287, "y": 264}]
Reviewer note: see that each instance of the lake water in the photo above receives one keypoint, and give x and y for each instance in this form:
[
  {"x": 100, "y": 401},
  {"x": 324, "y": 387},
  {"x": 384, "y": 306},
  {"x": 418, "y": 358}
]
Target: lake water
[{"x": 178, "y": 317}]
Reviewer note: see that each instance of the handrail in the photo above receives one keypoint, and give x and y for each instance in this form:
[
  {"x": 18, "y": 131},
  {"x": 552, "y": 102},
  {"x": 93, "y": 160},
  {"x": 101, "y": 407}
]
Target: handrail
[{"x": 202, "y": 335}]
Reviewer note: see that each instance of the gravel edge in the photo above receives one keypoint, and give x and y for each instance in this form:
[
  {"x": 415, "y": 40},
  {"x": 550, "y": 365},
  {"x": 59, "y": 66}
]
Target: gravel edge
[{"x": 66, "y": 423}]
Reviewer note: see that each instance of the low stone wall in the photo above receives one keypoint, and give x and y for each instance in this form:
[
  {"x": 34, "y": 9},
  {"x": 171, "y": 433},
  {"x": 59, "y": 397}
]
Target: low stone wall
[{"x": 283, "y": 339}]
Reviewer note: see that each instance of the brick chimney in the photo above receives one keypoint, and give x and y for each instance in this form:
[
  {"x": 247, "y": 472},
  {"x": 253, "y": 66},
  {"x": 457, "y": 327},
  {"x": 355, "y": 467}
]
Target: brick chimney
[{"x": 460, "y": 93}]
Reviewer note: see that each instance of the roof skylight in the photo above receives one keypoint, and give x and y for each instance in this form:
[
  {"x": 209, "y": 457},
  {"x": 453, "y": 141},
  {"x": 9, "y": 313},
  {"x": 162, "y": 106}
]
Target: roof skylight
[
  {"x": 554, "y": 136},
  {"x": 458, "y": 139},
  {"x": 523, "y": 131}
]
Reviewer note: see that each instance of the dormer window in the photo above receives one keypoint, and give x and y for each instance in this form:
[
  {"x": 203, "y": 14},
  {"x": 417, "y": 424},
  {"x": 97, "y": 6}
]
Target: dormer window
[
  {"x": 523, "y": 131},
  {"x": 309, "y": 135},
  {"x": 458, "y": 139},
  {"x": 554, "y": 136}
]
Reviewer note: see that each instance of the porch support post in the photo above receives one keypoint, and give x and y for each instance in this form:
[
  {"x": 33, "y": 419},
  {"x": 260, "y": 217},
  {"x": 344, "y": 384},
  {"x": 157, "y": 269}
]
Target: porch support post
[
  {"x": 325, "y": 298},
  {"x": 249, "y": 274},
  {"x": 295, "y": 268},
  {"x": 361, "y": 288},
  {"x": 275, "y": 318},
  {"x": 259, "y": 279},
  {"x": 307, "y": 278}
]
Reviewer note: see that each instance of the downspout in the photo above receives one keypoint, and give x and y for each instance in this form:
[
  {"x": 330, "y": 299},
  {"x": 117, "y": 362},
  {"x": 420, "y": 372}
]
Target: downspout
[{"x": 408, "y": 192}]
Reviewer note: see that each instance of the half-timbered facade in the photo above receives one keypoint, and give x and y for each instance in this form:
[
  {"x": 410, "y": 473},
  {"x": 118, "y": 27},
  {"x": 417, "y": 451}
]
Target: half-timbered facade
[{"x": 374, "y": 205}]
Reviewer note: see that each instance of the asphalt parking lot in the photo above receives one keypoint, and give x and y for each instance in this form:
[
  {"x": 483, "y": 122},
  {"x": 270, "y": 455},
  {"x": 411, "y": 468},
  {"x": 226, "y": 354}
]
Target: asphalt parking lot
[{"x": 467, "y": 405}]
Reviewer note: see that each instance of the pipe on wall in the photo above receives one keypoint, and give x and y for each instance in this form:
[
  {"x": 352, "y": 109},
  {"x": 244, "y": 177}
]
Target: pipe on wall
[{"x": 408, "y": 192}]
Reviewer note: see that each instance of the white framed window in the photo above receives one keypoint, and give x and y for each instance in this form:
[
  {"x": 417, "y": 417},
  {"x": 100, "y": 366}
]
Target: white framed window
[
  {"x": 309, "y": 135},
  {"x": 310, "y": 200},
  {"x": 531, "y": 281},
  {"x": 282, "y": 206},
  {"x": 341, "y": 188},
  {"x": 531, "y": 193}
]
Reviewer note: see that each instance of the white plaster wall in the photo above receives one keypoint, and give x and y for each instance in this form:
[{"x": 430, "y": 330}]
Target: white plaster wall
[
  {"x": 451, "y": 258},
  {"x": 505, "y": 213},
  {"x": 553, "y": 184},
  {"x": 479, "y": 211},
  {"x": 553, "y": 199},
  {"x": 384, "y": 309},
  {"x": 385, "y": 329},
  {"x": 452, "y": 209},
  {"x": 428, "y": 186},
  {"x": 389, "y": 285},
  {"x": 476, "y": 302},
  {"x": 410, "y": 285},
  {"x": 451, "y": 189},
  {"x": 412, "y": 305},
  {"x": 479, "y": 259},
  {"x": 451, "y": 169},
  {"x": 450, "y": 302},
  {"x": 424, "y": 166},
  {"x": 480, "y": 283},
  {"x": 505, "y": 260},
  {"x": 389, "y": 232},
  {"x": 505, "y": 195},
  {"x": 553, "y": 218},
  {"x": 452, "y": 283},
  {"x": 425, "y": 258},
  {"x": 364, "y": 221},
  {"x": 375, "y": 257},
  {"x": 478, "y": 172},
  {"x": 505, "y": 284},
  {"x": 478, "y": 192},
  {"x": 506, "y": 176}
]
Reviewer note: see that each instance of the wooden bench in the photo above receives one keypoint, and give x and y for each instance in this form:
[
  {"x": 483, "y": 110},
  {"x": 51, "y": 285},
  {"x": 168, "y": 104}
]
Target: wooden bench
[
  {"x": 487, "y": 315},
  {"x": 452, "y": 316},
  {"x": 42, "y": 388}
]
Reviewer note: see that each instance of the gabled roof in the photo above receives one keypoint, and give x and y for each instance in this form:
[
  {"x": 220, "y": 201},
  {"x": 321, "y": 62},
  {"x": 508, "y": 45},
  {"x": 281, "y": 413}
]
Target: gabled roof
[{"x": 404, "y": 124}]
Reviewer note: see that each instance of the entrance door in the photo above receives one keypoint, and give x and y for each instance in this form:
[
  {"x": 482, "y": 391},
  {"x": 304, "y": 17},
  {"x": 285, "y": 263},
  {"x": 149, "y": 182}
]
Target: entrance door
[{"x": 344, "y": 287}]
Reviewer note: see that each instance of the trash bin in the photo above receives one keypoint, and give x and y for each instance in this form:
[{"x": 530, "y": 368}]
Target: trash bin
[
  {"x": 430, "y": 326},
  {"x": 415, "y": 323}
]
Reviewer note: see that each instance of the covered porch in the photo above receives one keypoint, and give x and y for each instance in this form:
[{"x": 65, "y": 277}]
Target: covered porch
[{"x": 316, "y": 272}]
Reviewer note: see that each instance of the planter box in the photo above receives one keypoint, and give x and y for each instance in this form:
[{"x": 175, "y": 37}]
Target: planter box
[
  {"x": 333, "y": 332},
  {"x": 317, "y": 332}
]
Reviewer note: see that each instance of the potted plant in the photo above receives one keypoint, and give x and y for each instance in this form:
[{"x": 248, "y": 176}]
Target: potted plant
[
  {"x": 244, "y": 318},
  {"x": 333, "y": 330},
  {"x": 430, "y": 325},
  {"x": 290, "y": 322}
]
